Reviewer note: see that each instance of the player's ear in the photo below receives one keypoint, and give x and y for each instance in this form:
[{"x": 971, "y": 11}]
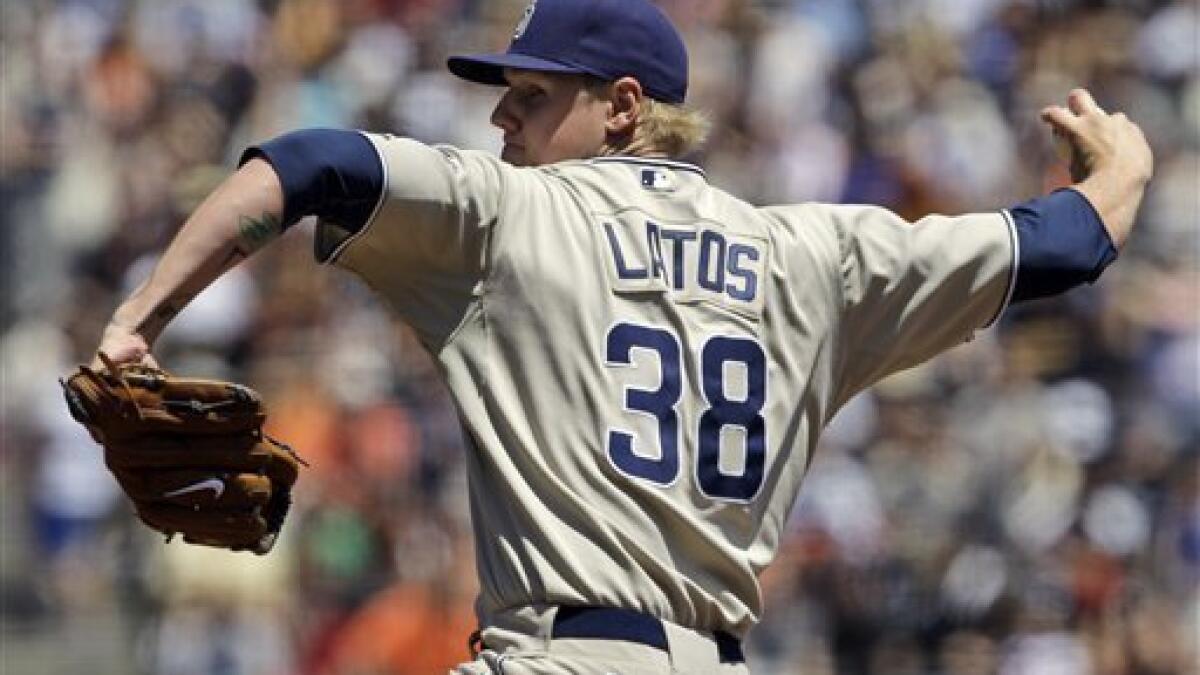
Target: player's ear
[{"x": 625, "y": 105}]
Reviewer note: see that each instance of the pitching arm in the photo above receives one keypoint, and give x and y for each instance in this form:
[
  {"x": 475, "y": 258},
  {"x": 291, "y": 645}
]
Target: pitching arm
[
  {"x": 332, "y": 174},
  {"x": 241, "y": 216}
]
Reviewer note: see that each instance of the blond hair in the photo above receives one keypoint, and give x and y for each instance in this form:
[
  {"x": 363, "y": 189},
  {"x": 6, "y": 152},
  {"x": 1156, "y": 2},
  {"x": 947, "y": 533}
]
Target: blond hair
[
  {"x": 673, "y": 130},
  {"x": 662, "y": 128}
]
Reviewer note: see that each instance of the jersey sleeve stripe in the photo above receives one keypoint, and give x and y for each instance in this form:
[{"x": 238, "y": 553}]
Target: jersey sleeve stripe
[{"x": 1013, "y": 270}]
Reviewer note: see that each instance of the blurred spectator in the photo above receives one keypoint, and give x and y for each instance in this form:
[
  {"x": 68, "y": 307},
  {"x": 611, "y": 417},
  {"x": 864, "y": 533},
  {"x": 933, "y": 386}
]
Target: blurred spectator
[{"x": 1028, "y": 503}]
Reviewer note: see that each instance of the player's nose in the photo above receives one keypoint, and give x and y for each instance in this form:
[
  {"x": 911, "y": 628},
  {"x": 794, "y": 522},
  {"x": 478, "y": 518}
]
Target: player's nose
[{"x": 503, "y": 116}]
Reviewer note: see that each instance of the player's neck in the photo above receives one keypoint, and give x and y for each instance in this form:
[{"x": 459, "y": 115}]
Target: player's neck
[{"x": 635, "y": 145}]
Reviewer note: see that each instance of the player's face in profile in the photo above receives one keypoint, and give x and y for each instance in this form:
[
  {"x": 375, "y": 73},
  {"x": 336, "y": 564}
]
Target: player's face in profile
[{"x": 549, "y": 117}]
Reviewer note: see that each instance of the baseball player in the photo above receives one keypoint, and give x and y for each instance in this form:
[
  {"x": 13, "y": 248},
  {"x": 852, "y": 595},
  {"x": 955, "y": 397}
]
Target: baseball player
[{"x": 642, "y": 362}]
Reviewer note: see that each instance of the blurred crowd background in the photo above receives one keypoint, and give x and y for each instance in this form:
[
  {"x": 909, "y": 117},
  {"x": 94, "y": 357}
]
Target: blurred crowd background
[{"x": 1027, "y": 504}]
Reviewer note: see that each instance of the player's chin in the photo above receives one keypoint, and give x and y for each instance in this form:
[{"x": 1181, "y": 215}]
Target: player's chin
[{"x": 514, "y": 154}]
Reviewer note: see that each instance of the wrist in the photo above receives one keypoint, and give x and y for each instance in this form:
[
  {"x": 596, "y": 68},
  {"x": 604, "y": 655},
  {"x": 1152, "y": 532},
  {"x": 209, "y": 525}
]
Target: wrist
[
  {"x": 1112, "y": 185},
  {"x": 144, "y": 321},
  {"x": 122, "y": 327},
  {"x": 1115, "y": 197}
]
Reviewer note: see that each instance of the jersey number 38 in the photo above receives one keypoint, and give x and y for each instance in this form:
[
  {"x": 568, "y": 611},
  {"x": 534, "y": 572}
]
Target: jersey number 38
[{"x": 722, "y": 411}]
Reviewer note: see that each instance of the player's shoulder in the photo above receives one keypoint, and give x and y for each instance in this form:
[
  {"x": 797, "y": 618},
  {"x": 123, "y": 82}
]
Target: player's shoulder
[
  {"x": 463, "y": 172},
  {"x": 409, "y": 153},
  {"x": 828, "y": 221},
  {"x": 812, "y": 214},
  {"x": 804, "y": 219}
]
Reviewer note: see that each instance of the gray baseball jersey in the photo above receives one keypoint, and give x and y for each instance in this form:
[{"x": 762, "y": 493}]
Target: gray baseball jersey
[{"x": 642, "y": 362}]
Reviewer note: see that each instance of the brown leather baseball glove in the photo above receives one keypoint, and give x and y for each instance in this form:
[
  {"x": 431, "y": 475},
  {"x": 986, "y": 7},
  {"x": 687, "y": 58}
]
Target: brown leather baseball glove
[{"x": 190, "y": 453}]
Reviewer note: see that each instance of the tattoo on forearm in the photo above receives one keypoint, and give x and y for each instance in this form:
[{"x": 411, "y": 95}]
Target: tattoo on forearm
[
  {"x": 161, "y": 316},
  {"x": 164, "y": 314},
  {"x": 255, "y": 232}
]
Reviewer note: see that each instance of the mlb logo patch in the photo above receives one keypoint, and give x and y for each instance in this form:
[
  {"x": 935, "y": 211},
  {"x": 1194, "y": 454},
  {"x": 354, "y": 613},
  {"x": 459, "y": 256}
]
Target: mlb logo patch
[{"x": 657, "y": 179}]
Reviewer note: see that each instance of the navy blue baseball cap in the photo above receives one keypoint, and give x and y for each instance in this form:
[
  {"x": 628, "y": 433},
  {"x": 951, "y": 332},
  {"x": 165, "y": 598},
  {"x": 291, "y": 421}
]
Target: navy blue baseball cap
[{"x": 608, "y": 39}]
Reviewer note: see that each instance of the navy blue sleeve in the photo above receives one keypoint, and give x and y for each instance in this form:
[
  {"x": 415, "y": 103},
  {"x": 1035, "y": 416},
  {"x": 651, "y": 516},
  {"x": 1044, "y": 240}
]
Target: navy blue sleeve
[
  {"x": 1062, "y": 243},
  {"x": 330, "y": 173}
]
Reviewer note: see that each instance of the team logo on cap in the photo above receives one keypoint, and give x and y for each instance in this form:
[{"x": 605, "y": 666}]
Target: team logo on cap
[{"x": 524, "y": 22}]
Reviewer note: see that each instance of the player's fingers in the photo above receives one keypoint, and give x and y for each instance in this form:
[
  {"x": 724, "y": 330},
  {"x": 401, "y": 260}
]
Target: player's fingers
[
  {"x": 1080, "y": 102},
  {"x": 117, "y": 357},
  {"x": 120, "y": 357},
  {"x": 1061, "y": 119}
]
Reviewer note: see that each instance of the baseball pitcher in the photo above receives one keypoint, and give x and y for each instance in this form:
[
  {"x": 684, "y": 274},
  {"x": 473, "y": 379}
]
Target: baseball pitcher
[{"x": 642, "y": 363}]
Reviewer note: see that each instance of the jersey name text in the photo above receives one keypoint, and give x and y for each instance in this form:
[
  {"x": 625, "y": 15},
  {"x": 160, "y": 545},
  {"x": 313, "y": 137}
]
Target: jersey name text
[{"x": 689, "y": 262}]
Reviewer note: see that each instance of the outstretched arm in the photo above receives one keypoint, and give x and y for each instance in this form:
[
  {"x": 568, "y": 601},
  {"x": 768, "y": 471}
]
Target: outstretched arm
[
  {"x": 913, "y": 290},
  {"x": 241, "y": 216}
]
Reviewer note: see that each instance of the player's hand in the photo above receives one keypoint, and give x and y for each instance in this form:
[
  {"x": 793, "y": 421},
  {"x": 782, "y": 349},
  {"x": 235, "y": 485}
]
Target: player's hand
[
  {"x": 1100, "y": 141},
  {"x": 122, "y": 345},
  {"x": 1111, "y": 159}
]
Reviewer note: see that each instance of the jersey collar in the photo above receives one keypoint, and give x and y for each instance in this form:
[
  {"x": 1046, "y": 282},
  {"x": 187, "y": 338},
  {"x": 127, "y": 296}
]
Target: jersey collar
[{"x": 652, "y": 161}]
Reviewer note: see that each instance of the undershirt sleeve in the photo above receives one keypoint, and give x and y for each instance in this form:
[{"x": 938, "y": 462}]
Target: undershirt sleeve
[
  {"x": 1063, "y": 243},
  {"x": 333, "y": 174}
]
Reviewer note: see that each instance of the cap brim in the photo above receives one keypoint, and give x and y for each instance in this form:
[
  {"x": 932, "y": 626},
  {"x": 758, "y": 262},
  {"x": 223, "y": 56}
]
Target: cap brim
[{"x": 489, "y": 68}]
